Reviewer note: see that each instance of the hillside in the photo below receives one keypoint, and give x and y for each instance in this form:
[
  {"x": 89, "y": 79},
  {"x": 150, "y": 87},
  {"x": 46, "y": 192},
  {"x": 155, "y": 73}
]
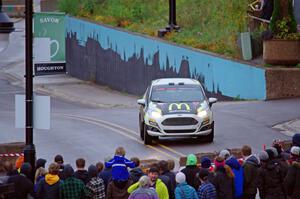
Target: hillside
[{"x": 205, "y": 24}]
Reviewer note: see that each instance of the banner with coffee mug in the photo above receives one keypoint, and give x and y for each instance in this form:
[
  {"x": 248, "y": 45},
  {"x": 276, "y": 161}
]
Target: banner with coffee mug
[{"x": 49, "y": 43}]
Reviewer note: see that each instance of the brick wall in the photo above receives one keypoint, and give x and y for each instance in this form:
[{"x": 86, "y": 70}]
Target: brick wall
[{"x": 283, "y": 83}]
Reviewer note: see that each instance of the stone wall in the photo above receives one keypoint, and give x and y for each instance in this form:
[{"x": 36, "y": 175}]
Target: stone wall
[
  {"x": 49, "y": 5},
  {"x": 283, "y": 83}
]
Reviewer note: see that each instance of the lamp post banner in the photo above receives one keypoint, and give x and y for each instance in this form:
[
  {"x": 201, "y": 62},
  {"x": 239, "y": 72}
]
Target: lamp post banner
[{"x": 49, "y": 43}]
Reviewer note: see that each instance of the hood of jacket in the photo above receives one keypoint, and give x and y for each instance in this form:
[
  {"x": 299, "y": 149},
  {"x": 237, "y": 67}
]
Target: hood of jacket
[
  {"x": 271, "y": 165},
  {"x": 81, "y": 174},
  {"x": 253, "y": 160},
  {"x": 51, "y": 179},
  {"x": 233, "y": 163}
]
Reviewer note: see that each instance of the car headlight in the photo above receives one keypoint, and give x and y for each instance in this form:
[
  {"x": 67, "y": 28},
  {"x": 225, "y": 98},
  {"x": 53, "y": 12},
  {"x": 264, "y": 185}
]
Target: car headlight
[
  {"x": 202, "y": 113},
  {"x": 155, "y": 114}
]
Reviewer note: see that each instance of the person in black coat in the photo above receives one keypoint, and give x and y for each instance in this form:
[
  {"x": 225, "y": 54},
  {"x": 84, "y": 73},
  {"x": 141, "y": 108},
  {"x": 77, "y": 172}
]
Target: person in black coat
[
  {"x": 48, "y": 188},
  {"x": 191, "y": 170},
  {"x": 81, "y": 173},
  {"x": 223, "y": 180},
  {"x": 167, "y": 177},
  {"x": 136, "y": 173},
  {"x": 251, "y": 166},
  {"x": 22, "y": 183},
  {"x": 270, "y": 178},
  {"x": 292, "y": 180}
]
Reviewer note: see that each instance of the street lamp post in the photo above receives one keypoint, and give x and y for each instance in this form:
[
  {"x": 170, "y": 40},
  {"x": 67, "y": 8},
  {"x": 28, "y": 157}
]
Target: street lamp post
[
  {"x": 6, "y": 27},
  {"x": 172, "y": 20},
  {"x": 29, "y": 150}
]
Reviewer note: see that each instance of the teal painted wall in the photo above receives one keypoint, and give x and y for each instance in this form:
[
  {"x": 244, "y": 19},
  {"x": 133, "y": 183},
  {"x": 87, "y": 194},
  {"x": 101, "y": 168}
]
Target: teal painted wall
[{"x": 230, "y": 78}]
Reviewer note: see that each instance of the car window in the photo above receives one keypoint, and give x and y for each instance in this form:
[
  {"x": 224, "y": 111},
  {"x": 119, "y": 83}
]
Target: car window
[{"x": 177, "y": 93}]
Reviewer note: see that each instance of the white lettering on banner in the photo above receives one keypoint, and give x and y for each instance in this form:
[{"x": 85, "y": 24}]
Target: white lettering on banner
[
  {"x": 51, "y": 68},
  {"x": 49, "y": 20}
]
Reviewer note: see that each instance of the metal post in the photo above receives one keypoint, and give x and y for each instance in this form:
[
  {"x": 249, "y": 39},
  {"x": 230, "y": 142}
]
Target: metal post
[
  {"x": 29, "y": 150},
  {"x": 172, "y": 20},
  {"x": 172, "y": 14}
]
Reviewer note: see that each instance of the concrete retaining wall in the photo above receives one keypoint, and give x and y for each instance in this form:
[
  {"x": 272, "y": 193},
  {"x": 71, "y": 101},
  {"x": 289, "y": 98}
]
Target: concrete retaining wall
[
  {"x": 128, "y": 62},
  {"x": 283, "y": 83}
]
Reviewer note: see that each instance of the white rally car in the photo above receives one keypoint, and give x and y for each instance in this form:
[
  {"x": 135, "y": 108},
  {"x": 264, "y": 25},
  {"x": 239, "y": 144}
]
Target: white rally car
[{"x": 176, "y": 107}]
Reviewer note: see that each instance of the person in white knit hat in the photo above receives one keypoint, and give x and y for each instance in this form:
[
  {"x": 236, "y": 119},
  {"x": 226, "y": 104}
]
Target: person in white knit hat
[{"x": 183, "y": 190}]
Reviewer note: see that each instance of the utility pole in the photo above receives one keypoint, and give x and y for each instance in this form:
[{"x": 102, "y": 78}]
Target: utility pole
[{"x": 29, "y": 150}]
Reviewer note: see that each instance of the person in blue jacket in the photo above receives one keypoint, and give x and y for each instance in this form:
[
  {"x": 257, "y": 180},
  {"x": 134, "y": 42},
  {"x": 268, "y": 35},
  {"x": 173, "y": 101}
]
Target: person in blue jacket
[
  {"x": 238, "y": 171},
  {"x": 119, "y": 165},
  {"x": 183, "y": 190}
]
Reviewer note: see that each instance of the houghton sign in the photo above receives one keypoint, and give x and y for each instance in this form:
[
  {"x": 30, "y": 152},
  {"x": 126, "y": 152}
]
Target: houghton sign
[{"x": 49, "y": 43}]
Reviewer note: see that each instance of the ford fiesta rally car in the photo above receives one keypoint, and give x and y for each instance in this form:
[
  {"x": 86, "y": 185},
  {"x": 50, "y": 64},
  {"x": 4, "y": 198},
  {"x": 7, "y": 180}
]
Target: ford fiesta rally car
[{"x": 175, "y": 107}]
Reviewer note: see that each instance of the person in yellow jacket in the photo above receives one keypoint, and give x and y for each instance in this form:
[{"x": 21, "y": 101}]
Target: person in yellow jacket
[{"x": 156, "y": 184}]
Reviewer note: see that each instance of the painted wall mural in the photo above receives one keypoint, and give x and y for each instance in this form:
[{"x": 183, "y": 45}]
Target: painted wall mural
[{"x": 128, "y": 62}]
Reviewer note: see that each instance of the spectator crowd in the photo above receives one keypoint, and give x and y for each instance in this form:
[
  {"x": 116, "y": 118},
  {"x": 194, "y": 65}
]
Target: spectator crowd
[{"x": 272, "y": 173}]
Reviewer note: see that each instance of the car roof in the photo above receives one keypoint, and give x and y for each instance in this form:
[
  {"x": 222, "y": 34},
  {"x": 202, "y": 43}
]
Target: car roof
[{"x": 166, "y": 81}]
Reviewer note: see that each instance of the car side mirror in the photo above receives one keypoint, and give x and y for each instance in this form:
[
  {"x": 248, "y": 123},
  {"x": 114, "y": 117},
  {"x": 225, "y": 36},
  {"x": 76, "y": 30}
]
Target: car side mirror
[
  {"x": 212, "y": 100},
  {"x": 141, "y": 102}
]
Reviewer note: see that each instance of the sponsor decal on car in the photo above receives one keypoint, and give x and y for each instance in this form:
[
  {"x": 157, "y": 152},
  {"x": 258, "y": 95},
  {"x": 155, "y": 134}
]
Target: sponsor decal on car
[{"x": 183, "y": 107}]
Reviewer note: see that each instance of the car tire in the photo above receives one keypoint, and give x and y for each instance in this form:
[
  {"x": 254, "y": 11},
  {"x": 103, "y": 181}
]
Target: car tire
[
  {"x": 147, "y": 138},
  {"x": 142, "y": 130},
  {"x": 210, "y": 137}
]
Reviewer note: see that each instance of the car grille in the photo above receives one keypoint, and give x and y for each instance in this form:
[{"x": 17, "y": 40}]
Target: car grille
[
  {"x": 179, "y": 121},
  {"x": 181, "y": 131}
]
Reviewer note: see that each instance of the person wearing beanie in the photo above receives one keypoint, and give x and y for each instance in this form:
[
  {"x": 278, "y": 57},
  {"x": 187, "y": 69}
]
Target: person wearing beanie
[
  {"x": 40, "y": 171},
  {"x": 206, "y": 190},
  {"x": 292, "y": 180},
  {"x": 23, "y": 185},
  {"x": 296, "y": 139},
  {"x": 207, "y": 166},
  {"x": 60, "y": 161},
  {"x": 250, "y": 165},
  {"x": 95, "y": 186},
  {"x": 205, "y": 163},
  {"x": 282, "y": 162},
  {"x": 183, "y": 190},
  {"x": 155, "y": 183},
  {"x": 144, "y": 191},
  {"x": 224, "y": 154},
  {"x": 263, "y": 156},
  {"x": 191, "y": 171},
  {"x": 71, "y": 188},
  {"x": 270, "y": 178},
  {"x": 48, "y": 187},
  {"x": 223, "y": 179}
]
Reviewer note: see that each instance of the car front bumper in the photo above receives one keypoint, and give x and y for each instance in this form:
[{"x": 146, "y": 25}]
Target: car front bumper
[{"x": 181, "y": 128}]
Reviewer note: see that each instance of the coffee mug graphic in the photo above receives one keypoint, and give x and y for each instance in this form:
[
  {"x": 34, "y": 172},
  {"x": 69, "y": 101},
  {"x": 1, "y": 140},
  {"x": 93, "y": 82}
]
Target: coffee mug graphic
[{"x": 42, "y": 49}]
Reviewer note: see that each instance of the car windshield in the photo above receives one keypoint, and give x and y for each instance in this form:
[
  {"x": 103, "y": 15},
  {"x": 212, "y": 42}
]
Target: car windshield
[{"x": 177, "y": 93}]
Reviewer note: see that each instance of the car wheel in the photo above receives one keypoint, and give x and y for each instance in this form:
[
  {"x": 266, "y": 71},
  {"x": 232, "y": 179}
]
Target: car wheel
[
  {"x": 147, "y": 138},
  {"x": 210, "y": 137},
  {"x": 142, "y": 130}
]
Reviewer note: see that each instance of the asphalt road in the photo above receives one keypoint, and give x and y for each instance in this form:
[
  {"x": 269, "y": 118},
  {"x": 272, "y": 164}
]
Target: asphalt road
[{"x": 81, "y": 131}]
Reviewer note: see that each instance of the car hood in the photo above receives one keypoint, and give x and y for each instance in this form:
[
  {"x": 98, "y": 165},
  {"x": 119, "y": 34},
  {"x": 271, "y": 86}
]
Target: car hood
[{"x": 179, "y": 107}]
